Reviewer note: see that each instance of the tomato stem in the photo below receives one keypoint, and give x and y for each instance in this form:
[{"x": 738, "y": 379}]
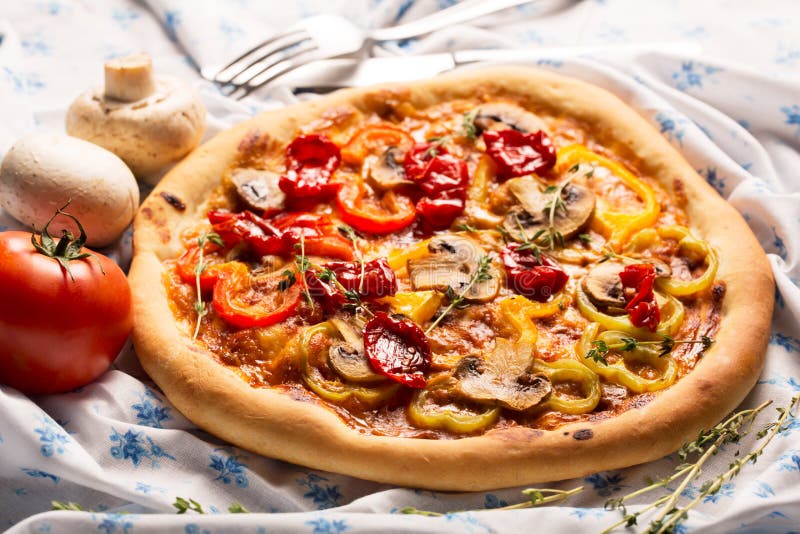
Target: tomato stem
[{"x": 68, "y": 248}]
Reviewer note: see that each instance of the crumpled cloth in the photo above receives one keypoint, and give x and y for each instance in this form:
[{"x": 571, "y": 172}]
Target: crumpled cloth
[{"x": 118, "y": 448}]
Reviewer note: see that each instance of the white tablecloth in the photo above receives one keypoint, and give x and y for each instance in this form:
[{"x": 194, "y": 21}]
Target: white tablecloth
[{"x": 118, "y": 448}]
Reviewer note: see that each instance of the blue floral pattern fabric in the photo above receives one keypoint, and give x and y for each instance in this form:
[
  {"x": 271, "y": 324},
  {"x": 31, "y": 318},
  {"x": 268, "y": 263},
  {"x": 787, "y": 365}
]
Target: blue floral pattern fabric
[{"x": 729, "y": 101}]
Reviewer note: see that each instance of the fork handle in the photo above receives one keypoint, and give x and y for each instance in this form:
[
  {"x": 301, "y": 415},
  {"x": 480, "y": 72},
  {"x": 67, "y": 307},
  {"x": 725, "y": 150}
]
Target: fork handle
[{"x": 468, "y": 10}]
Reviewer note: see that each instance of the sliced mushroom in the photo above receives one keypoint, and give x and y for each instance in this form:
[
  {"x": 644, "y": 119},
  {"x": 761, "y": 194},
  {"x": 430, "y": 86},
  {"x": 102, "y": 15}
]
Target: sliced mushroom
[
  {"x": 387, "y": 171},
  {"x": 347, "y": 356},
  {"x": 603, "y": 286},
  {"x": 533, "y": 212},
  {"x": 500, "y": 116},
  {"x": 258, "y": 189},
  {"x": 437, "y": 272},
  {"x": 453, "y": 261},
  {"x": 503, "y": 378}
]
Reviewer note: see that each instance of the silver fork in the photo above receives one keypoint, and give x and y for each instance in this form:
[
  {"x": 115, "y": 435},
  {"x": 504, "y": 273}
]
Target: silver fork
[{"x": 329, "y": 36}]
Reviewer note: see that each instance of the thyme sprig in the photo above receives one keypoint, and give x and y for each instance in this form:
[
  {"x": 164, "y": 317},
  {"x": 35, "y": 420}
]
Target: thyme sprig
[
  {"x": 468, "y": 128},
  {"x": 354, "y": 303},
  {"x": 600, "y": 348},
  {"x": 551, "y": 237},
  {"x": 302, "y": 264},
  {"x": 481, "y": 274},
  {"x": 350, "y": 234},
  {"x": 437, "y": 144},
  {"x": 536, "y": 497},
  {"x": 707, "y": 444},
  {"x": 199, "y": 305}
]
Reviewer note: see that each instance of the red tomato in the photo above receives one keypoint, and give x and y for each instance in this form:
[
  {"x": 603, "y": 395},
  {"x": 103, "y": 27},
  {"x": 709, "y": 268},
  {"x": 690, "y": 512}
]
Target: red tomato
[
  {"x": 642, "y": 306},
  {"x": 310, "y": 162},
  {"x": 56, "y": 333}
]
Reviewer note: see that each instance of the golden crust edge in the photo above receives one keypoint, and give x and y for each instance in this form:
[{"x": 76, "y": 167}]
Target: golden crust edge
[{"x": 272, "y": 424}]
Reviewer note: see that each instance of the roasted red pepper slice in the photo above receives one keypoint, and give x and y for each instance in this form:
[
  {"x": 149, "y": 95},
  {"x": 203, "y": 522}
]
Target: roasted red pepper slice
[
  {"x": 310, "y": 162},
  {"x": 263, "y": 237},
  {"x": 379, "y": 278},
  {"x": 417, "y": 159},
  {"x": 372, "y": 214},
  {"x": 529, "y": 276},
  {"x": 246, "y": 302},
  {"x": 637, "y": 282},
  {"x": 327, "y": 294},
  {"x": 517, "y": 154},
  {"x": 320, "y": 236},
  {"x": 439, "y": 213},
  {"x": 443, "y": 173},
  {"x": 398, "y": 349}
]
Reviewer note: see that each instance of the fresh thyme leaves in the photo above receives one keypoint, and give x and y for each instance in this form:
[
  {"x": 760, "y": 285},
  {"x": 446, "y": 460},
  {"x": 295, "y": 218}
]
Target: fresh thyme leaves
[
  {"x": 598, "y": 351},
  {"x": 574, "y": 168},
  {"x": 350, "y": 234},
  {"x": 536, "y": 497},
  {"x": 199, "y": 306},
  {"x": 707, "y": 444},
  {"x": 466, "y": 227},
  {"x": 551, "y": 237},
  {"x": 586, "y": 238},
  {"x": 600, "y": 348},
  {"x": 302, "y": 264},
  {"x": 288, "y": 281},
  {"x": 436, "y": 144},
  {"x": 354, "y": 303},
  {"x": 468, "y": 128},
  {"x": 182, "y": 506},
  {"x": 481, "y": 274}
]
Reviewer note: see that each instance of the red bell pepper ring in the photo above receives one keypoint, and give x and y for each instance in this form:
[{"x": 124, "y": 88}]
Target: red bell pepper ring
[
  {"x": 247, "y": 302},
  {"x": 310, "y": 162},
  {"x": 379, "y": 279},
  {"x": 417, "y": 159},
  {"x": 536, "y": 278},
  {"x": 260, "y": 235},
  {"x": 517, "y": 154},
  {"x": 213, "y": 259},
  {"x": 371, "y": 214},
  {"x": 398, "y": 349},
  {"x": 638, "y": 280}
]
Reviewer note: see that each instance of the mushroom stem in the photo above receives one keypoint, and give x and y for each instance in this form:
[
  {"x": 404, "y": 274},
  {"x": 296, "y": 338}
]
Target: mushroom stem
[{"x": 129, "y": 78}]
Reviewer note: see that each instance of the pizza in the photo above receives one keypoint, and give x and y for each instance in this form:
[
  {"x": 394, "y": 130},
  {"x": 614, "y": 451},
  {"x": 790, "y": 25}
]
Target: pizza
[{"x": 487, "y": 279}]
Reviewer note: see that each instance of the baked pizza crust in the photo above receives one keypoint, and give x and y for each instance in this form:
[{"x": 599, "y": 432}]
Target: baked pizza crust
[{"x": 274, "y": 424}]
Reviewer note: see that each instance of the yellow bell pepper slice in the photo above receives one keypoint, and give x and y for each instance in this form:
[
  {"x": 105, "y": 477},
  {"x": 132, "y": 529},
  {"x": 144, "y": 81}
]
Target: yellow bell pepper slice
[
  {"x": 335, "y": 390},
  {"x": 419, "y": 306},
  {"x": 693, "y": 247},
  {"x": 689, "y": 246},
  {"x": 521, "y": 311},
  {"x": 567, "y": 370},
  {"x": 617, "y": 372},
  {"x": 615, "y": 225},
  {"x": 398, "y": 258},
  {"x": 428, "y": 415}
]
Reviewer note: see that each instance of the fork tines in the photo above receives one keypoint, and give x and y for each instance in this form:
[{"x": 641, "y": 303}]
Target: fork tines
[{"x": 245, "y": 72}]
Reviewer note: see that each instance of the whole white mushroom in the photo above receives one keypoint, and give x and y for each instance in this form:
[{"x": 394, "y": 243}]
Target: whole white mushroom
[
  {"x": 148, "y": 122},
  {"x": 42, "y": 172}
]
